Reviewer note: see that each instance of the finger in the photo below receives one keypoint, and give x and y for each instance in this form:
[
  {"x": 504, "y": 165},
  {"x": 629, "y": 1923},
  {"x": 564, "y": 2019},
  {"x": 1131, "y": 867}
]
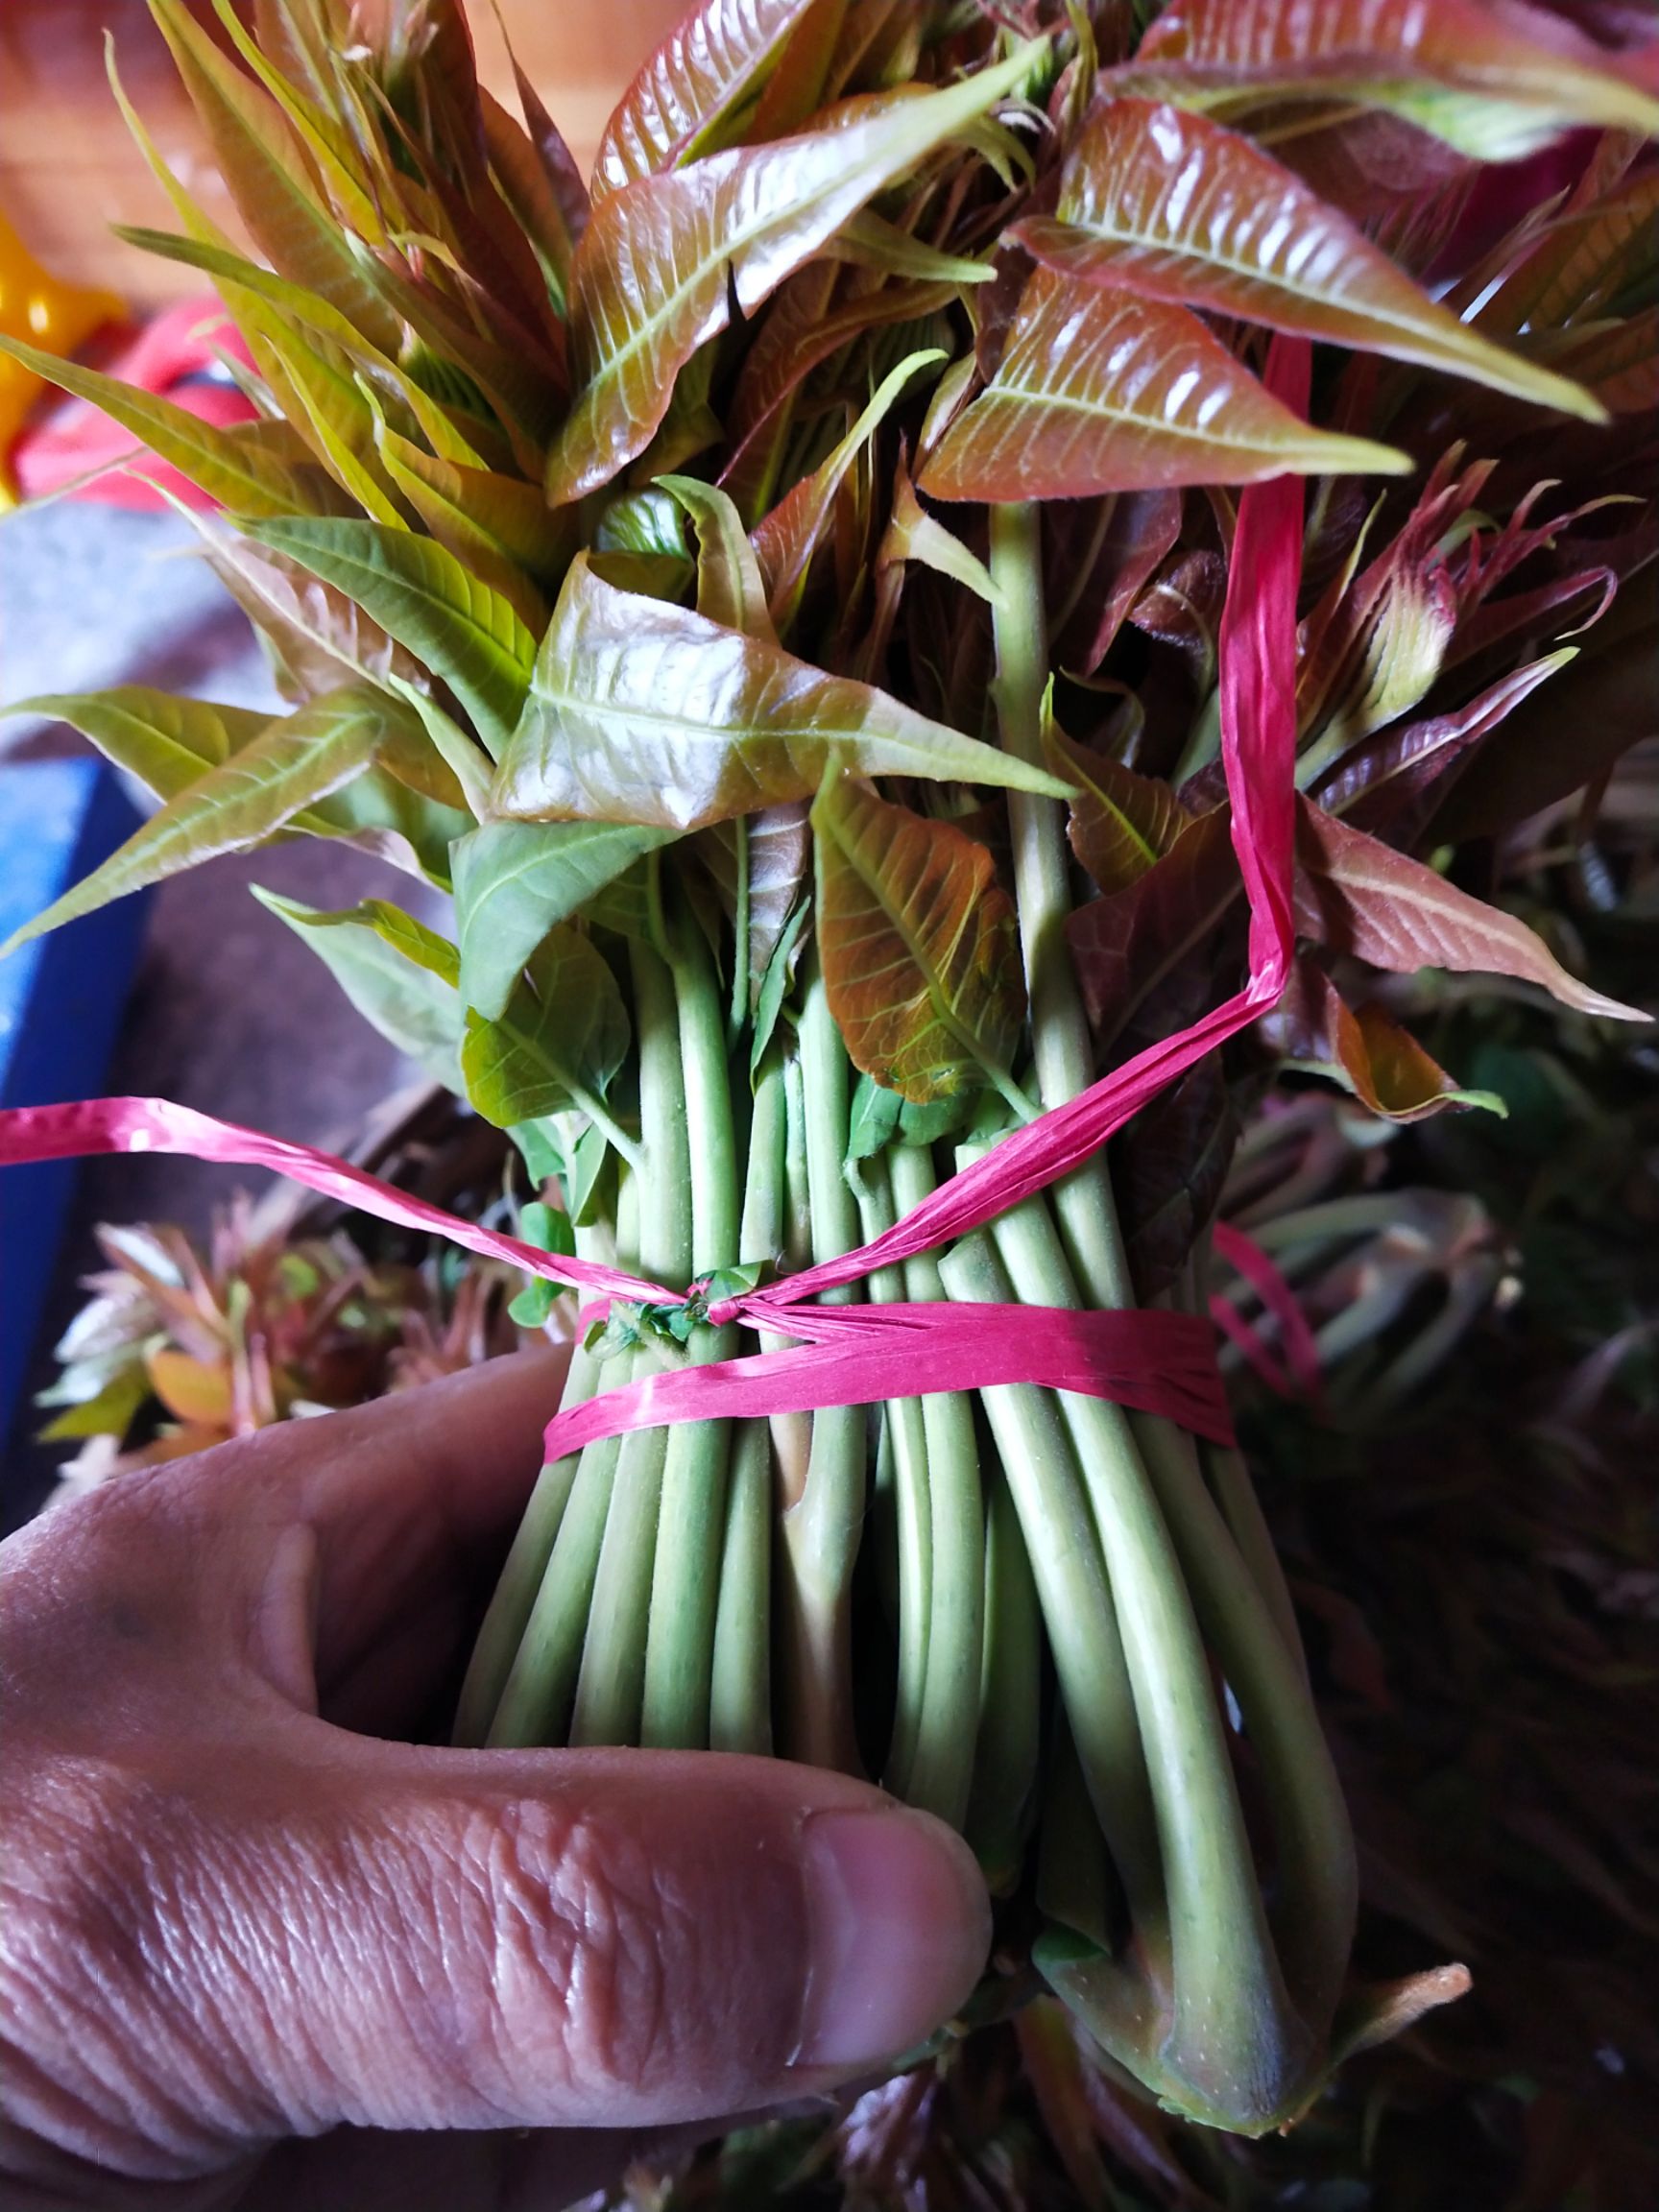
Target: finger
[
  {"x": 343, "y": 1532},
  {"x": 396, "y": 1937}
]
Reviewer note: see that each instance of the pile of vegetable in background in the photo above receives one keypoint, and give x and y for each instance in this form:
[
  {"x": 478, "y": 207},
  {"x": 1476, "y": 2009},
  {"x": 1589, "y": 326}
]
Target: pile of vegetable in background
[{"x": 779, "y": 596}]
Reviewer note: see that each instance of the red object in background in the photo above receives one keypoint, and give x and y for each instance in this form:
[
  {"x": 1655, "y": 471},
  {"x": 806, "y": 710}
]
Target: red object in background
[{"x": 176, "y": 356}]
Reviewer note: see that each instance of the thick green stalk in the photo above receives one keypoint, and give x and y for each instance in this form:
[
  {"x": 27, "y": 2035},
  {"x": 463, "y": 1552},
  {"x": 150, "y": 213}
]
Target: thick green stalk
[
  {"x": 535, "y": 1703},
  {"x": 1063, "y": 1049},
  {"x": 942, "y": 1770},
  {"x": 502, "y": 1629},
  {"x": 611, "y": 1686},
  {"x": 1315, "y": 1879},
  {"x": 906, "y": 1438},
  {"x": 1234, "y": 2038},
  {"x": 1007, "y": 1746},
  {"x": 535, "y": 1698},
  {"x": 1078, "y": 1609},
  {"x": 741, "y": 1693},
  {"x": 691, "y": 1525},
  {"x": 821, "y": 1528}
]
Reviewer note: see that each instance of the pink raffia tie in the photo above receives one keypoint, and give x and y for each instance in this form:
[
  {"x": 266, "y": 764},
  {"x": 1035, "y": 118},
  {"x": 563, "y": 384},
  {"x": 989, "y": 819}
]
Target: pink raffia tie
[{"x": 1161, "y": 1363}]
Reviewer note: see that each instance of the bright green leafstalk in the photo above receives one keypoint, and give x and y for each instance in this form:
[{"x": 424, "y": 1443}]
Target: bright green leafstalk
[
  {"x": 611, "y": 1686},
  {"x": 907, "y": 1443},
  {"x": 942, "y": 1765},
  {"x": 821, "y": 1528},
  {"x": 1232, "y": 2032},
  {"x": 1007, "y": 1748},
  {"x": 514, "y": 1598},
  {"x": 690, "y": 1528}
]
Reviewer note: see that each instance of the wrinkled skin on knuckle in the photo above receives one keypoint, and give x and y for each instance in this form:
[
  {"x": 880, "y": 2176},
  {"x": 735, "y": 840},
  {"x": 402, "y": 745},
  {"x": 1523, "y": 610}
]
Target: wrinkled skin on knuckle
[
  {"x": 629, "y": 1981},
  {"x": 113, "y": 2006}
]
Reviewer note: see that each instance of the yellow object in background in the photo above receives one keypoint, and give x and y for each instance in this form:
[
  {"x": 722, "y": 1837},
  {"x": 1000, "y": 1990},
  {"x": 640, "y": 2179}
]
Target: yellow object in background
[{"x": 35, "y": 307}]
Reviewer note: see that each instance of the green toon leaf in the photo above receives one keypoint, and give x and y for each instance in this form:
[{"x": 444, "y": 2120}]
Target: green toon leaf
[
  {"x": 517, "y": 880},
  {"x": 661, "y": 260},
  {"x": 268, "y": 177},
  {"x": 390, "y": 967},
  {"x": 1176, "y": 208},
  {"x": 276, "y": 776},
  {"x": 645, "y": 713},
  {"x": 563, "y": 1037},
  {"x": 238, "y": 472},
  {"x": 165, "y": 741},
  {"x": 425, "y": 599}
]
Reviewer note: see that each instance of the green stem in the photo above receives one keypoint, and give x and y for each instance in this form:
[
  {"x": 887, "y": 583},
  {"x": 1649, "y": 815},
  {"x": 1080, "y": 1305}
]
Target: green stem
[
  {"x": 513, "y": 1599},
  {"x": 1078, "y": 1607},
  {"x": 535, "y": 1701},
  {"x": 691, "y": 1524},
  {"x": 906, "y": 1435},
  {"x": 821, "y": 1529},
  {"x": 777, "y": 1225},
  {"x": 740, "y": 1695},
  {"x": 610, "y": 1688},
  {"x": 1007, "y": 1752},
  {"x": 1062, "y": 1047},
  {"x": 942, "y": 1771},
  {"x": 1234, "y": 2038}
]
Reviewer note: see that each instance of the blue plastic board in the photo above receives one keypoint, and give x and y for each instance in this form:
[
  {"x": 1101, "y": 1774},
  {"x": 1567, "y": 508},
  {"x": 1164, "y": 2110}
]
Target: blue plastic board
[{"x": 61, "y": 1001}]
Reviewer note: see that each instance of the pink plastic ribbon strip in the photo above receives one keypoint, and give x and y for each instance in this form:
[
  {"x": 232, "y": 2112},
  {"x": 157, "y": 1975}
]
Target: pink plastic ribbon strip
[
  {"x": 1298, "y": 1374},
  {"x": 1161, "y": 1362}
]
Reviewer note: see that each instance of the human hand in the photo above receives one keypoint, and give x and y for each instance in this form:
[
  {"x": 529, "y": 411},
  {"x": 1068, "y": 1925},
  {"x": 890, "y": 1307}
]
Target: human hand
[{"x": 244, "y": 1930}]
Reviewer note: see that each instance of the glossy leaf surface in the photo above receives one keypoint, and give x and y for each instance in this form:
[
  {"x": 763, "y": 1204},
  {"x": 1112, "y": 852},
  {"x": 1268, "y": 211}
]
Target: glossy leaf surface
[
  {"x": 239, "y": 472},
  {"x": 641, "y": 712},
  {"x": 517, "y": 880},
  {"x": 1358, "y": 896},
  {"x": 403, "y": 997},
  {"x": 708, "y": 64},
  {"x": 165, "y": 741},
  {"x": 920, "y": 945},
  {"x": 276, "y": 776},
  {"x": 1119, "y": 394},
  {"x": 424, "y": 598},
  {"x": 661, "y": 260},
  {"x": 1455, "y": 68},
  {"x": 562, "y": 1039},
  {"x": 1177, "y": 207}
]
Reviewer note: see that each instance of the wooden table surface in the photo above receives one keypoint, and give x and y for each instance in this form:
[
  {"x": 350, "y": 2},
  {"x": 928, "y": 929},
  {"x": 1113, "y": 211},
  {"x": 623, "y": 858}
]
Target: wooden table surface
[{"x": 68, "y": 168}]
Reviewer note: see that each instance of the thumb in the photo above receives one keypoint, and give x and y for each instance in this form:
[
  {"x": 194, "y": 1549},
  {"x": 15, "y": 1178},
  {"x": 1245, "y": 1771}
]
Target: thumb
[{"x": 408, "y": 1937}]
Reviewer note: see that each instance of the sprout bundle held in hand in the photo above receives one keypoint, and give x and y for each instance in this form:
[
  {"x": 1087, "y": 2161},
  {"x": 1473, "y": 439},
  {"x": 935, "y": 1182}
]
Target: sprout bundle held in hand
[{"x": 775, "y": 588}]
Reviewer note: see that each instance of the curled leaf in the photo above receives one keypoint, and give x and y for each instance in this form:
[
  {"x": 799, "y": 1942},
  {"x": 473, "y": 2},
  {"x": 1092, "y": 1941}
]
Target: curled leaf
[
  {"x": 561, "y": 1038},
  {"x": 1363, "y": 1048},
  {"x": 1120, "y": 824},
  {"x": 517, "y": 880}
]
